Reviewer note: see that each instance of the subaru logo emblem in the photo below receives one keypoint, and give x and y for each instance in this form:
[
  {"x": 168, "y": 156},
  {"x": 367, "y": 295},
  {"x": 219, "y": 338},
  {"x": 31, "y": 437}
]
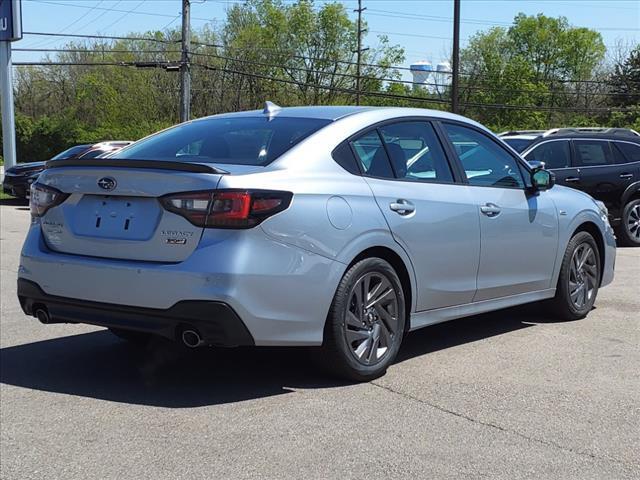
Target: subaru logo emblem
[{"x": 107, "y": 183}]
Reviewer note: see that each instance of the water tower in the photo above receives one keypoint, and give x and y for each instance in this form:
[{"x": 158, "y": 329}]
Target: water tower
[
  {"x": 421, "y": 72},
  {"x": 442, "y": 76}
]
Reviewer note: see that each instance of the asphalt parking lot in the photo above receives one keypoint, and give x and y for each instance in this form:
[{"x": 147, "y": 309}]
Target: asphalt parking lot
[{"x": 510, "y": 395}]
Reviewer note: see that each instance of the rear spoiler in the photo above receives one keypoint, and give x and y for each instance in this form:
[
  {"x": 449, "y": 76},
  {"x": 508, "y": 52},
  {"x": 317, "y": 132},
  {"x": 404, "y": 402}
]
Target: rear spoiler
[{"x": 128, "y": 163}]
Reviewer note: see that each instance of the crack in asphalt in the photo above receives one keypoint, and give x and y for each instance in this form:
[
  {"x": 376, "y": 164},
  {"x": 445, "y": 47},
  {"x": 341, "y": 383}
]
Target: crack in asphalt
[{"x": 499, "y": 428}]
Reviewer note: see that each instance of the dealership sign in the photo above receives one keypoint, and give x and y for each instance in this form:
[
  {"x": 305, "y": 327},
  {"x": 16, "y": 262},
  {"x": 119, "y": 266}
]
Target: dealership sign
[{"x": 10, "y": 20}]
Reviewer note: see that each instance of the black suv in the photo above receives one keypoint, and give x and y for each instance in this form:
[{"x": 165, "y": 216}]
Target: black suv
[{"x": 601, "y": 162}]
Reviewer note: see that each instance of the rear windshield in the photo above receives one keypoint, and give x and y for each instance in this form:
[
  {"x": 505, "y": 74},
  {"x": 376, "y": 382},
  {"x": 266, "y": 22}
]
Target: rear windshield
[
  {"x": 71, "y": 152},
  {"x": 237, "y": 141}
]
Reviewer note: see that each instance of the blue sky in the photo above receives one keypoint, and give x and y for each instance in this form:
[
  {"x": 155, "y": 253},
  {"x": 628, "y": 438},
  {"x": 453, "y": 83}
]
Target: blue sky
[{"x": 422, "y": 27}]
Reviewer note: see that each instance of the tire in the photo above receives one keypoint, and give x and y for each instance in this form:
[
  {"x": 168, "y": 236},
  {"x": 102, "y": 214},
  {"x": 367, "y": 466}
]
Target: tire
[
  {"x": 131, "y": 336},
  {"x": 629, "y": 231},
  {"x": 579, "y": 278},
  {"x": 359, "y": 342}
]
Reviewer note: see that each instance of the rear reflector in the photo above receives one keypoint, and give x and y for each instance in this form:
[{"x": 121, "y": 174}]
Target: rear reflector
[{"x": 227, "y": 208}]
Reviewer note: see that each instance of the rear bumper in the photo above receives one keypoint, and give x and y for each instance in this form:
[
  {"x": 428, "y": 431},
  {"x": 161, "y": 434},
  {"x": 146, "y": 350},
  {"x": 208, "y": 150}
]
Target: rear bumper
[
  {"x": 281, "y": 293},
  {"x": 217, "y": 323}
]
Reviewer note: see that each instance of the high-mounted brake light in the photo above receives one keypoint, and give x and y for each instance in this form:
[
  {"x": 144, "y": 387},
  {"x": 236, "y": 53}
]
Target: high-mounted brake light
[
  {"x": 43, "y": 198},
  {"x": 227, "y": 208}
]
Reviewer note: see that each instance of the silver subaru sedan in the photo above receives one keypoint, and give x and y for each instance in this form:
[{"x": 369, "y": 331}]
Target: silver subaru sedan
[{"x": 338, "y": 227}]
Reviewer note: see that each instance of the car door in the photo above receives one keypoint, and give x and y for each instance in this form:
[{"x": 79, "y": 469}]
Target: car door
[
  {"x": 599, "y": 176},
  {"x": 556, "y": 155},
  {"x": 518, "y": 229},
  {"x": 429, "y": 215}
]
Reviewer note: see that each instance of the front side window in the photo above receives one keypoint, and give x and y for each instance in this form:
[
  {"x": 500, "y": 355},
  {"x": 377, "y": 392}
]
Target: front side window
[
  {"x": 415, "y": 152},
  {"x": 237, "y": 141},
  {"x": 591, "y": 153},
  {"x": 555, "y": 154},
  {"x": 631, "y": 151},
  {"x": 485, "y": 163},
  {"x": 372, "y": 155}
]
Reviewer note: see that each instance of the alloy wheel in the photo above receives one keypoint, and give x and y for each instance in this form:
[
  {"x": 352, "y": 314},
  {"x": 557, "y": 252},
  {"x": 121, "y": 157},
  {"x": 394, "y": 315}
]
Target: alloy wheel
[
  {"x": 633, "y": 222},
  {"x": 371, "y": 319},
  {"x": 583, "y": 275}
]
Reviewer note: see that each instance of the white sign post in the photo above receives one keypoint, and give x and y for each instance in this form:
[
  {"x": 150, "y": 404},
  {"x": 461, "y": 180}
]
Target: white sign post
[{"x": 10, "y": 30}]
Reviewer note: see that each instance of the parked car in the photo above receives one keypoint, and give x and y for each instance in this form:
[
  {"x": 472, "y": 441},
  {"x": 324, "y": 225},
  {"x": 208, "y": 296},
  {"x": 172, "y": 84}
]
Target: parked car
[
  {"x": 603, "y": 164},
  {"x": 520, "y": 140},
  {"x": 18, "y": 179},
  {"x": 339, "y": 227}
]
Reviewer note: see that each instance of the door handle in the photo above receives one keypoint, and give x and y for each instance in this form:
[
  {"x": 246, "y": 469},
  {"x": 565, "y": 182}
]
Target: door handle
[
  {"x": 571, "y": 179},
  {"x": 626, "y": 175},
  {"x": 490, "y": 209},
  {"x": 402, "y": 207}
]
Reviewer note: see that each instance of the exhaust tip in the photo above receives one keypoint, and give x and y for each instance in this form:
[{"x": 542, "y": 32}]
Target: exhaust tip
[
  {"x": 191, "y": 338},
  {"x": 42, "y": 315}
]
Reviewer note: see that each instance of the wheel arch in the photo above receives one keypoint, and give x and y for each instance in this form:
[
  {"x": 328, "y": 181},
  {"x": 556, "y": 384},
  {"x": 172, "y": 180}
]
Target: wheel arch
[
  {"x": 399, "y": 265},
  {"x": 593, "y": 230},
  {"x": 632, "y": 192}
]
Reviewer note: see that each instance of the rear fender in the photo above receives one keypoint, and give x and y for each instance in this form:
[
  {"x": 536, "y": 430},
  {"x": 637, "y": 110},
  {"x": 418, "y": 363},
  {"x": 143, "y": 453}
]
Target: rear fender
[{"x": 379, "y": 238}]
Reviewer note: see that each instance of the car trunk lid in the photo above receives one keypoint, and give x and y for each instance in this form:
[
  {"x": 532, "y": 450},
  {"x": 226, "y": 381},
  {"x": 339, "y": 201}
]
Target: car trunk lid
[{"x": 113, "y": 209}]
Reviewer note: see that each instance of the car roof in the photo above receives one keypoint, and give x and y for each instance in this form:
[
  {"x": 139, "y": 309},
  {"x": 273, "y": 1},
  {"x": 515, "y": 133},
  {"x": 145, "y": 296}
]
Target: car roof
[
  {"x": 523, "y": 137},
  {"x": 335, "y": 112},
  {"x": 582, "y": 136}
]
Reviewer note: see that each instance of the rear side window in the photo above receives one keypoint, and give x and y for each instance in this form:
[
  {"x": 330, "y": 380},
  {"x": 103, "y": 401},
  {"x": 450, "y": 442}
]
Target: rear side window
[
  {"x": 556, "y": 154},
  {"x": 236, "y": 141},
  {"x": 631, "y": 151},
  {"x": 590, "y": 153},
  {"x": 484, "y": 161},
  {"x": 415, "y": 152},
  {"x": 372, "y": 155}
]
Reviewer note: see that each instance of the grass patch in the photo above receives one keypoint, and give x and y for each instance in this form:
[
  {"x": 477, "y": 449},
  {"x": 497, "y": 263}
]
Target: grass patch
[{"x": 5, "y": 196}]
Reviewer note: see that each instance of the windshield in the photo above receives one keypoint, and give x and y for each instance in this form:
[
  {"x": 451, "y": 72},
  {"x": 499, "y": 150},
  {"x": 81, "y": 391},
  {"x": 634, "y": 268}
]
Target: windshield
[
  {"x": 70, "y": 152},
  {"x": 518, "y": 144},
  {"x": 237, "y": 141}
]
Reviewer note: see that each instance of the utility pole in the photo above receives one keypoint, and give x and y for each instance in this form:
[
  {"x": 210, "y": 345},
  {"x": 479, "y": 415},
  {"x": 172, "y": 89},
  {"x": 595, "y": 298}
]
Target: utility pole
[
  {"x": 456, "y": 57},
  {"x": 359, "y": 10},
  {"x": 185, "y": 74},
  {"x": 10, "y": 31}
]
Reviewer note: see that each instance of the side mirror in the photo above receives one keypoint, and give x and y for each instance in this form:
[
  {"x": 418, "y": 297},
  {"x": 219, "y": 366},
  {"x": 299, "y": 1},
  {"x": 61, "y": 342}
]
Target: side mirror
[{"x": 542, "y": 179}]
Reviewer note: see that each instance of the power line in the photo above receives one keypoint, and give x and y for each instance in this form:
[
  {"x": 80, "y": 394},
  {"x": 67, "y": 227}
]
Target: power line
[
  {"x": 101, "y": 37},
  {"x": 152, "y": 14},
  {"x": 473, "y": 21},
  {"x": 279, "y": 51},
  {"x": 320, "y": 72},
  {"x": 84, "y": 50},
  {"x": 410, "y": 97},
  {"x": 97, "y": 64},
  {"x": 124, "y": 15},
  {"x": 95, "y": 19},
  {"x": 329, "y": 88}
]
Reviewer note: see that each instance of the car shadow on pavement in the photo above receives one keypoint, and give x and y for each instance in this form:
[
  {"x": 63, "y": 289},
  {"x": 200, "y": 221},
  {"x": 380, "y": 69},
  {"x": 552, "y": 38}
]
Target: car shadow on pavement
[
  {"x": 14, "y": 202},
  {"x": 99, "y": 365}
]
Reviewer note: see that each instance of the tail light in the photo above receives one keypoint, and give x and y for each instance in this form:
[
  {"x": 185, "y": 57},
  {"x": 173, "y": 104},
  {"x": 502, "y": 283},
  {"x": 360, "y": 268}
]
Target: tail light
[
  {"x": 227, "y": 208},
  {"x": 43, "y": 198}
]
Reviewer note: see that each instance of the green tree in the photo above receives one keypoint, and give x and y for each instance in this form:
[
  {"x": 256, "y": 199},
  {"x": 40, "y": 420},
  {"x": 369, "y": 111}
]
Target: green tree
[{"x": 538, "y": 64}]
